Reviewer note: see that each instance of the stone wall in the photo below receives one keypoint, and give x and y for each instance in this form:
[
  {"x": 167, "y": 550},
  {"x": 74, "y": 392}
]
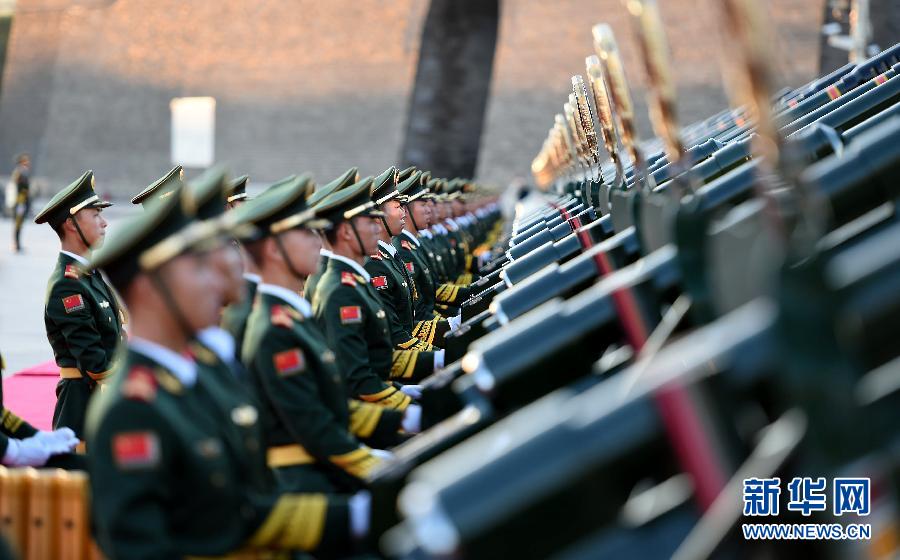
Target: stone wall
[{"x": 306, "y": 85}]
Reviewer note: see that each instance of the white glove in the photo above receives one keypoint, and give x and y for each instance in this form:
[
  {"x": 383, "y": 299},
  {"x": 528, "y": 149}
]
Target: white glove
[
  {"x": 63, "y": 436},
  {"x": 455, "y": 322},
  {"x": 382, "y": 454},
  {"x": 360, "y": 512},
  {"x": 414, "y": 391},
  {"x": 32, "y": 452},
  {"x": 438, "y": 359},
  {"x": 412, "y": 419}
]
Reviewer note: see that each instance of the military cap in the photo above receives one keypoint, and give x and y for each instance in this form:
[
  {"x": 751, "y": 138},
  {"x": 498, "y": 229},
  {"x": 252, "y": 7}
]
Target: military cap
[
  {"x": 67, "y": 202},
  {"x": 412, "y": 187},
  {"x": 384, "y": 187},
  {"x": 162, "y": 187},
  {"x": 453, "y": 188},
  {"x": 433, "y": 189},
  {"x": 404, "y": 174},
  {"x": 161, "y": 233},
  {"x": 349, "y": 202},
  {"x": 204, "y": 198},
  {"x": 281, "y": 207},
  {"x": 344, "y": 180},
  {"x": 425, "y": 177},
  {"x": 237, "y": 189}
]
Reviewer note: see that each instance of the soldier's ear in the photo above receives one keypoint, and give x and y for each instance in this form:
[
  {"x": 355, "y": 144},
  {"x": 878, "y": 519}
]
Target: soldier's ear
[
  {"x": 67, "y": 227},
  {"x": 270, "y": 250},
  {"x": 344, "y": 232}
]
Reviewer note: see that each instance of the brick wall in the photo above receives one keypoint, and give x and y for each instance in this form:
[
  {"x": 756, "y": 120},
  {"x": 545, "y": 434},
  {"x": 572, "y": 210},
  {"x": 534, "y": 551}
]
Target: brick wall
[{"x": 306, "y": 85}]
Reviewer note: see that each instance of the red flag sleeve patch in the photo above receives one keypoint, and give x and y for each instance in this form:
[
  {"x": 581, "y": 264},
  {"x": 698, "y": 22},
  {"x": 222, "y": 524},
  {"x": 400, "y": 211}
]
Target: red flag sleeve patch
[
  {"x": 380, "y": 282},
  {"x": 347, "y": 279},
  {"x": 409, "y": 267},
  {"x": 140, "y": 384},
  {"x": 280, "y": 317},
  {"x": 71, "y": 272},
  {"x": 136, "y": 450},
  {"x": 73, "y": 303},
  {"x": 351, "y": 314},
  {"x": 289, "y": 362}
]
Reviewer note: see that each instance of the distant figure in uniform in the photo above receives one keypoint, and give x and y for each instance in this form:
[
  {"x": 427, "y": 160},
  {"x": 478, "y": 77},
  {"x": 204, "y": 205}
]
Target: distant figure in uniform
[
  {"x": 315, "y": 434},
  {"x": 234, "y": 316},
  {"x": 81, "y": 314},
  {"x": 21, "y": 179},
  {"x": 349, "y": 311}
]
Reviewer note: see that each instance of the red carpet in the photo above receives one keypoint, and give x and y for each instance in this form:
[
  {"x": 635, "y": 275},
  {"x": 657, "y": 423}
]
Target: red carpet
[{"x": 31, "y": 394}]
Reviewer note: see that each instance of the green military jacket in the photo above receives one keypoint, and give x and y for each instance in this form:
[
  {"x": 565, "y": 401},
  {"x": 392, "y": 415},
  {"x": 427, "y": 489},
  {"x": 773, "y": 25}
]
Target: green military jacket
[
  {"x": 309, "y": 287},
  {"x": 293, "y": 369},
  {"x": 433, "y": 295},
  {"x": 82, "y": 319},
  {"x": 177, "y": 468},
  {"x": 459, "y": 248},
  {"x": 442, "y": 247},
  {"x": 393, "y": 288},
  {"x": 400, "y": 294},
  {"x": 418, "y": 268},
  {"x": 234, "y": 317},
  {"x": 435, "y": 258},
  {"x": 356, "y": 327}
]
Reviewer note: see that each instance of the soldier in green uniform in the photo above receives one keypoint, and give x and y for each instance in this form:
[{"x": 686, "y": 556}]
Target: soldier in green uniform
[
  {"x": 442, "y": 256},
  {"x": 236, "y": 192},
  {"x": 344, "y": 180},
  {"x": 314, "y": 434},
  {"x": 21, "y": 181},
  {"x": 234, "y": 316},
  {"x": 460, "y": 237},
  {"x": 414, "y": 254},
  {"x": 81, "y": 314},
  {"x": 164, "y": 187},
  {"x": 438, "y": 253},
  {"x": 453, "y": 237},
  {"x": 349, "y": 311},
  {"x": 175, "y": 471},
  {"x": 390, "y": 277}
]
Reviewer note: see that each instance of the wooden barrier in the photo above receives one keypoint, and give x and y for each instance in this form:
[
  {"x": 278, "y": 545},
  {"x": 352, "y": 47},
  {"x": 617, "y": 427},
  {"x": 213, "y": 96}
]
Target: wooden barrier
[{"x": 44, "y": 514}]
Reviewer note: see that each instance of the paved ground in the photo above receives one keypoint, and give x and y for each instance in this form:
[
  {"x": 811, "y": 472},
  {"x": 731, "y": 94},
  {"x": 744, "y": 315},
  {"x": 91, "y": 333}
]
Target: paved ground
[{"x": 23, "y": 284}]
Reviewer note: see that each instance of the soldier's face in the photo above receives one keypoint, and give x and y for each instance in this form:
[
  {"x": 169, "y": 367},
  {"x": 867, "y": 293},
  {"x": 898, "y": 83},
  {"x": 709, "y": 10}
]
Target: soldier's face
[
  {"x": 227, "y": 260},
  {"x": 196, "y": 285},
  {"x": 92, "y": 225},
  {"x": 303, "y": 247},
  {"x": 395, "y": 215},
  {"x": 369, "y": 230},
  {"x": 420, "y": 211}
]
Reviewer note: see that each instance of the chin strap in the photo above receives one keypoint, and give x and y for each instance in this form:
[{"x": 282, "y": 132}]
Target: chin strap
[
  {"x": 80, "y": 233},
  {"x": 169, "y": 302},
  {"x": 413, "y": 220},
  {"x": 362, "y": 248},
  {"x": 387, "y": 228},
  {"x": 287, "y": 258}
]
